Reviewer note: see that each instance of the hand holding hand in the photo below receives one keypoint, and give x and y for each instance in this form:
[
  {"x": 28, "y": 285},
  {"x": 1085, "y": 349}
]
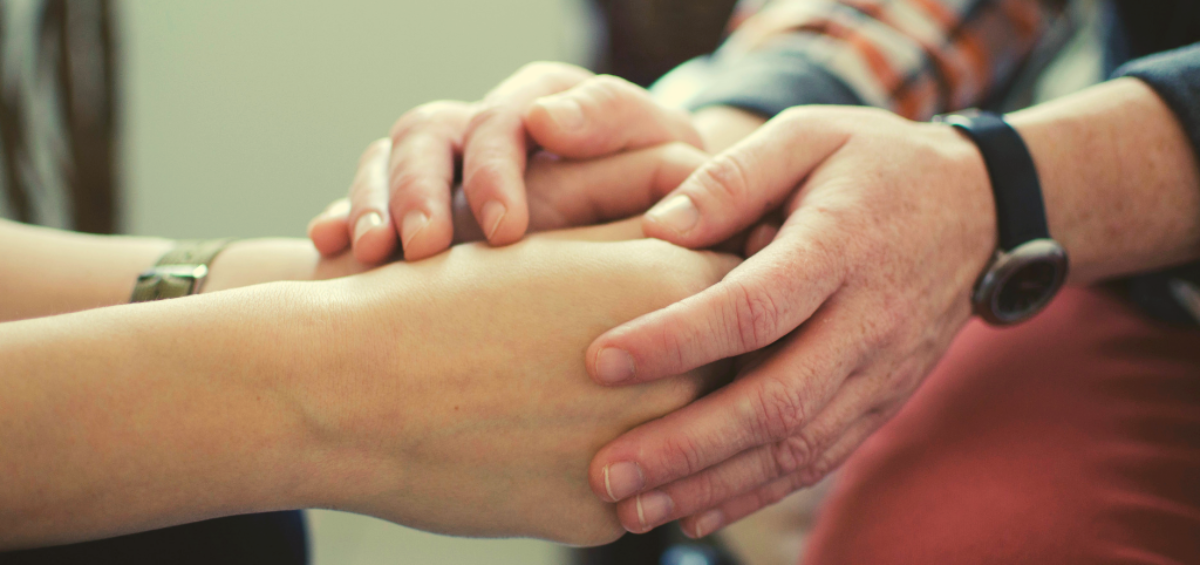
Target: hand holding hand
[
  {"x": 456, "y": 399},
  {"x": 888, "y": 224},
  {"x": 405, "y": 187}
]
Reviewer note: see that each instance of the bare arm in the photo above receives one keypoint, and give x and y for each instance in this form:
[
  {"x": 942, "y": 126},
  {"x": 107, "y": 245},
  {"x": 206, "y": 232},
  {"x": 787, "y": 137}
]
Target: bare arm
[
  {"x": 48, "y": 272},
  {"x": 334, "y": 394},
  {"x": 1120, "y": 179}
]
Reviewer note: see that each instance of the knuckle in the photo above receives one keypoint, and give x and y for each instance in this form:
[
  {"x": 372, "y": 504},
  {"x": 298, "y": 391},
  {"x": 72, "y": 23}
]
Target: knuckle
[
  {"x": 543, "y": 68},
  {"x": 726, "y": 178},
  {"x": 374, "y": 150},
  {"x": 490, "y": 112},
  {"x": 756, "y": 316},
  {"x": 608, "y": 90},
  {"x": 814, "y": 473},
  {"x": 408, "y": 183},
  {"x": 424, "y": 116},
  {"x": 771, "y": 494},
  {"x": 792, "y": 454},
  {"x": 704, "y": 493},
  {"x": 778, "y": 410},
  {"x": 484, "y": 176},
  {"x": 683, "y": 456}
]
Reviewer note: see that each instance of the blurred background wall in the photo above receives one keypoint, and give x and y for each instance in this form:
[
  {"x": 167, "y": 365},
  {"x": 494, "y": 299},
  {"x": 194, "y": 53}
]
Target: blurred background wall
[{"x": 245, "y": 118}]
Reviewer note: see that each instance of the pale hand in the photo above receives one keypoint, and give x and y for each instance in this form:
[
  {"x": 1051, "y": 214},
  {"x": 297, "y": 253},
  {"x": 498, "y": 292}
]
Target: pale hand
[{"x": 457, "y": 401}]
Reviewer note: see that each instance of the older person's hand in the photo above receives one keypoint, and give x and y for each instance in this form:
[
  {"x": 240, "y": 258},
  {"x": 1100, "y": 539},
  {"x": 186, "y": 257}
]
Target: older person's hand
[
  {"x": 544, "y": 108},
  {"x": 888, "y": 223}
]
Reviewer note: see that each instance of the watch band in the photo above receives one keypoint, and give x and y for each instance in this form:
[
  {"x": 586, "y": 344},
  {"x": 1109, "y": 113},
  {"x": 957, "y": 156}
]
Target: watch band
[
  {"x": 1020, "y": 211},
  {"x": 1029, "y": 268},
  {"x": 180, "y": 272}
]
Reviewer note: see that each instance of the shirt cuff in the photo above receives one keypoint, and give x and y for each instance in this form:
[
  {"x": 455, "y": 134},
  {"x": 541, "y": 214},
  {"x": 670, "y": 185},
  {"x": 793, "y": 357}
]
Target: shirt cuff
[
  {"x": 770, "y": 80},
  {"x": 1171, "y": 295}
]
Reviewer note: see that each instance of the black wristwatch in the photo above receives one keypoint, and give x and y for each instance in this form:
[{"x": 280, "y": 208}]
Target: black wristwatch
[{"x": 1029, "y": 267}]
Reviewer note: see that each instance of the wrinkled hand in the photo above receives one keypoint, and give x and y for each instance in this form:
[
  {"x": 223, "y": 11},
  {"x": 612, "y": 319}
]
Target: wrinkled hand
[
  {"x": 887, "y": 225},
  {"x": 405, "y": 188}
]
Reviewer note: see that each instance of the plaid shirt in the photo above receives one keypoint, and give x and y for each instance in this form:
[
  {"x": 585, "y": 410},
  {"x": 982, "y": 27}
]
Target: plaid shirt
[{"x": 917, "y": 58}]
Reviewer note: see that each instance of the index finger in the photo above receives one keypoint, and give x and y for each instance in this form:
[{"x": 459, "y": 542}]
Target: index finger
[
  {"x": 762, "y": 300},
  {"x": 496, "y": 148},
  {"x": 767, "y": 402}
]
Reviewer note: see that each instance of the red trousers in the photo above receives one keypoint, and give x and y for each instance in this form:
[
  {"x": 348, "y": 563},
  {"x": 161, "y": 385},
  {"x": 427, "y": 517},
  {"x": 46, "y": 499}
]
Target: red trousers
[{"x": 1074, "y": 438}]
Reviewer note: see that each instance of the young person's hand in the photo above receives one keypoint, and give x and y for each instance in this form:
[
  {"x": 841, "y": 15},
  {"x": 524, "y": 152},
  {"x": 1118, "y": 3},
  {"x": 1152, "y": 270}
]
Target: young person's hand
[
  {"x": 447, "y": 394},
  {"x": 459, "y": 402},
  {"x": 405, "y": 188}
]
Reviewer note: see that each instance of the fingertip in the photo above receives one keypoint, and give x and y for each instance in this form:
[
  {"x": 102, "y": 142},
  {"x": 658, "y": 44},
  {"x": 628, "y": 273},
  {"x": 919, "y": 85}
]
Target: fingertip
[
  {"x": 559, "y": 113},
  {"x": 329, "y": 235},
  {"x": 503, "y": 224},
  {"x": 592, "y": 361},
  {"x": 374, "y": 240},
  {"x": 558, "y": 123},
  {"x": 329, "y": 231},
  {"x": 703, "y": 525},
  {"x": 674, "y": 219},
  {"x": 598, "y": 478},
  {"x": 631, "y": 514},
  {"x": 423, "y": 236}
]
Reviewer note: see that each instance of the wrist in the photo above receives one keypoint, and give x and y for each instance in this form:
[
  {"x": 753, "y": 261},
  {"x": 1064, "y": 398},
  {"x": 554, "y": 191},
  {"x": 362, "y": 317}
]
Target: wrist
[
  {"x": 975, "y": 211},
  {"x": 345, "y": 349},
  {"x": 271, "y": 343},
  {"x": 256, "y": 261}
]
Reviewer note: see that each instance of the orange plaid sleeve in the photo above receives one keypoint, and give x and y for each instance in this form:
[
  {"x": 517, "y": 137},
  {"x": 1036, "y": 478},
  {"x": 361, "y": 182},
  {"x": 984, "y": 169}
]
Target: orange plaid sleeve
[{"x": 915, "y": 57}]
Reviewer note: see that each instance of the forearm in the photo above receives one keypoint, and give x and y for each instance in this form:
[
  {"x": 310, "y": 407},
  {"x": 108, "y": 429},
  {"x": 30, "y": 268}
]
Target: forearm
[
  {"x": 49, "y": 272},
  {"x": 130, "y": 418},
  {"x": 1119, "y": 178}
]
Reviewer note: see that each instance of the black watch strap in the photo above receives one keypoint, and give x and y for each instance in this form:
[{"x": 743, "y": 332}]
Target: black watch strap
[{"x": 1020, "y": 211}]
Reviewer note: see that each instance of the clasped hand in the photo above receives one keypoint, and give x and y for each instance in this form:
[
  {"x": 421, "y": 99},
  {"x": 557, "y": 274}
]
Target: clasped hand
[{"x": 867, "y": 232}]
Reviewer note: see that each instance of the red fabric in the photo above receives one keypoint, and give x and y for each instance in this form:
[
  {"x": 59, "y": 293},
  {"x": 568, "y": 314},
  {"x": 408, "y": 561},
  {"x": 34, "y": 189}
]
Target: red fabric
[{"x": 1074, "y": 438}]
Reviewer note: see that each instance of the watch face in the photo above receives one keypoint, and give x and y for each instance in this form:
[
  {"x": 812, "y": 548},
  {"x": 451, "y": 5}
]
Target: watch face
[
  {"x": 1027, "y": 288},
  {"x": 1021, "y": 283}
]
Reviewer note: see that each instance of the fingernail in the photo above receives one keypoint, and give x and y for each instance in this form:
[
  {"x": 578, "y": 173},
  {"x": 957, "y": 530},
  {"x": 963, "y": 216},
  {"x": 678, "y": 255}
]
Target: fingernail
[
  {"x": 623, "y": 479},
  {"x": 678, "y": 214},
  {"x": 709, "y": 522},
  {"x": 366, "y": 223},
  {"x": 414, "y": 221},
  {"x": 493, "y": 214},
  {"x": 653, "y": 508},
  {"x": 566, "y": 113},
  {"x": 339, "y": 208},
  {"x": 613, "y": 366}
]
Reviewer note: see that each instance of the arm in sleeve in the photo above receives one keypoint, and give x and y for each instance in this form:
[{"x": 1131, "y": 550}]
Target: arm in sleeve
[
  {"x": 914, "y": 57},
  {"x": 1172, "y": 295}
]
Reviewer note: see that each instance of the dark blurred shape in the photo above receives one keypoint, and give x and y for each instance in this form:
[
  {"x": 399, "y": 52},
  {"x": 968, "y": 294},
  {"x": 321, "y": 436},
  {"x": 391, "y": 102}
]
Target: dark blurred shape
[
  {"x": 277, "y": 538},
  {"x": 76, "y": 48},
  {"x": 696, "y": 554},
  {"x": 644, "y": 549},
  {"x": 647, "y": 38},
  {"x": 665, "y": 545}
]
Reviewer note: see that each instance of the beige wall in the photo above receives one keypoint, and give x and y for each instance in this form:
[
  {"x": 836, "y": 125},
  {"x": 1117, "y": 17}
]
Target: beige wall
[{"x": 245, "y": 117}]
